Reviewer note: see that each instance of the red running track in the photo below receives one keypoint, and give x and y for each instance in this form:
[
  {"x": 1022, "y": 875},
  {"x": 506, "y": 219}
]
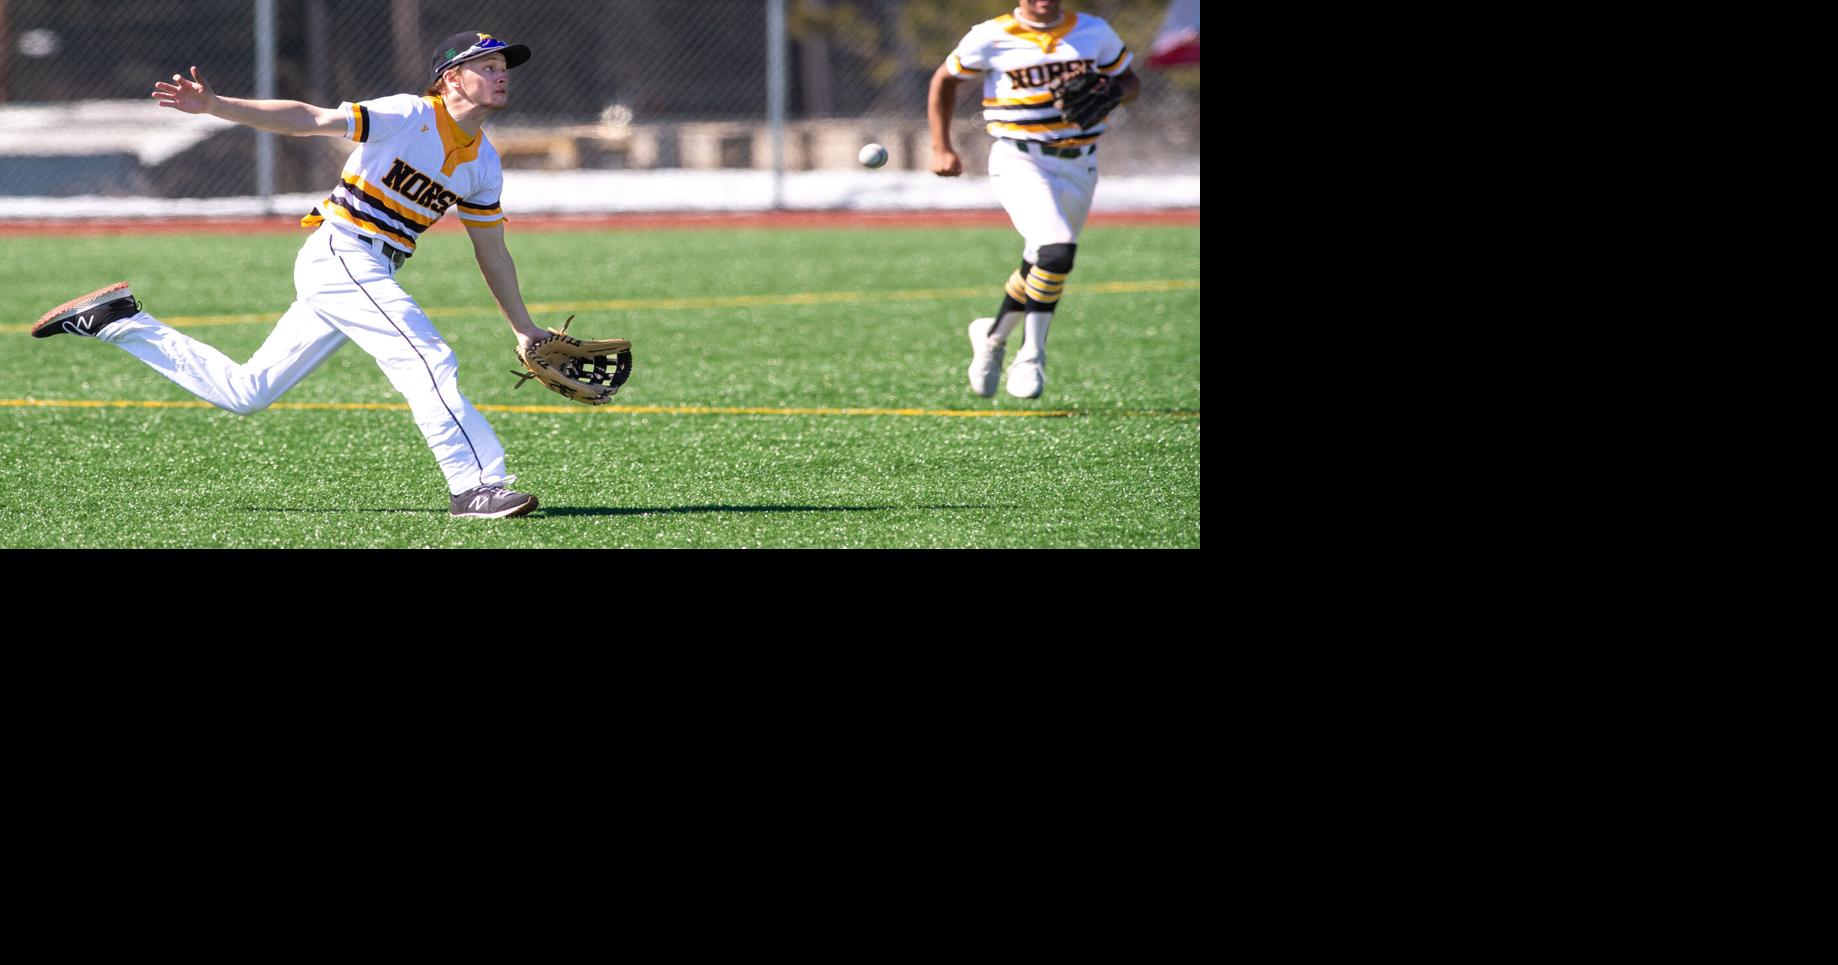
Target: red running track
[{"x": 615, "y": 222}]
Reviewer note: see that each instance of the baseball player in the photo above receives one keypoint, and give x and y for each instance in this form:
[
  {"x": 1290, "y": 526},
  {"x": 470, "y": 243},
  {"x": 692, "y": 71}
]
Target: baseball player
[
  {"x": 417, "y": 157},
  {"x": 1043, "y": 164}
]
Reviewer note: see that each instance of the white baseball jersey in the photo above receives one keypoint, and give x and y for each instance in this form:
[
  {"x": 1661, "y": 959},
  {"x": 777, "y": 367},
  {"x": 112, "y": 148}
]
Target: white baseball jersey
[
  {"x": 1017, "y": 62},
  {"x": 412, "y": 163}
]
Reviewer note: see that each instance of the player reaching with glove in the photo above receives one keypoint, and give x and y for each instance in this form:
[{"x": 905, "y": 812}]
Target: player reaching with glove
[
  {"x": 417, "y": 157},
  {"x": 1050, "y": 76}
]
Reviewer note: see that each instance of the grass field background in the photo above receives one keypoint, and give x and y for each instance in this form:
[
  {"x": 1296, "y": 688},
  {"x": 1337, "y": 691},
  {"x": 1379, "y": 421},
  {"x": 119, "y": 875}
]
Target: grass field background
[{"x": 791, "y": 388}]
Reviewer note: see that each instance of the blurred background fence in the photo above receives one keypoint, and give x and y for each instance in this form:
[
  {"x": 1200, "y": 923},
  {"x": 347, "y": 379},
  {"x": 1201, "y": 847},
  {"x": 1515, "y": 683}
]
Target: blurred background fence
[{"x": 613, "y": 85}]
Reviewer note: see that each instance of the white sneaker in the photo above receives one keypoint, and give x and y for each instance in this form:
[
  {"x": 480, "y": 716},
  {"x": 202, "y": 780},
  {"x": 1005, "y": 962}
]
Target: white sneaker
[
  {"x": 986, "y": 358},
  {"x": 1025, "y": 378}
]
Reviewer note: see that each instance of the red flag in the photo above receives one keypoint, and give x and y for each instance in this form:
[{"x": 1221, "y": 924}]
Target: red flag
[{"x": 1178, "y": 42}]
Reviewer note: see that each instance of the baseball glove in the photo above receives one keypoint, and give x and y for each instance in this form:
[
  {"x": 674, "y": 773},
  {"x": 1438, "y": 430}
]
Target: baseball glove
[
  {"x": 1085, "y": 98},
  {"x": 590, "y": 372}
]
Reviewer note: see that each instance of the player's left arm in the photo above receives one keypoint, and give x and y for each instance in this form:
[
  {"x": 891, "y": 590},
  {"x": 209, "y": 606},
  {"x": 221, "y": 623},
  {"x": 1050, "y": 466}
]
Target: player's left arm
[
  {"x": 1111, "y": 53},
  {"x": 1131, "y": 84},
  {"x": 500, "y": 273}
]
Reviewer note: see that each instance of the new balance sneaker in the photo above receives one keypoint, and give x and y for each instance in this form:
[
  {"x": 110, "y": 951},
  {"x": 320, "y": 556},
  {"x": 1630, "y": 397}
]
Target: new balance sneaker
[
  {"x": 492, "y": 502},
  {"x": 986, "y": 357},
  {"x": 1026, "y": 377},
  {"x": 89, "y": 314}
]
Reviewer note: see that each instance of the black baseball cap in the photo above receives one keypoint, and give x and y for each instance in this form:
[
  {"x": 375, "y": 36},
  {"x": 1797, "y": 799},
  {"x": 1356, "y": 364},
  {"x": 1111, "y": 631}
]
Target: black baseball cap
[{"x": 471, "y": 45}]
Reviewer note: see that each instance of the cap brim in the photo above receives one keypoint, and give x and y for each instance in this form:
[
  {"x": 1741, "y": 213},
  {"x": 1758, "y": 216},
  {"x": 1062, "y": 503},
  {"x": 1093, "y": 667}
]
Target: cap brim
[{"x": 514, "y": 54}]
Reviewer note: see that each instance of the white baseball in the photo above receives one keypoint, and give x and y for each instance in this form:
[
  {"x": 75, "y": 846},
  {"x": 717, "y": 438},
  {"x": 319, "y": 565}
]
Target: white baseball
[{"x": 872, "y": 155}]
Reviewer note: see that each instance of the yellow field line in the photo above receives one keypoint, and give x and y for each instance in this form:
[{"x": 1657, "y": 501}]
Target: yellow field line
[
  {"x": 584, "y": 410},
  {"x": 674, "y": 304},
  {"x": 824, "y": 298}
]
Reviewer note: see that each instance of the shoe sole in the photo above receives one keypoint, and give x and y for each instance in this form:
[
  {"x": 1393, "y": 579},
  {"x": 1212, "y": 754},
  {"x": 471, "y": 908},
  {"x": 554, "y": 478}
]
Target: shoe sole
[
  {"x": 511, "y": 513},
  {"x": 51, "y": 323}
]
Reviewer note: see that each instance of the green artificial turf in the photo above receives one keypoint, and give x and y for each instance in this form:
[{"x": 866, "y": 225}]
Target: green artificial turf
[{"x": 770, "y": 320}]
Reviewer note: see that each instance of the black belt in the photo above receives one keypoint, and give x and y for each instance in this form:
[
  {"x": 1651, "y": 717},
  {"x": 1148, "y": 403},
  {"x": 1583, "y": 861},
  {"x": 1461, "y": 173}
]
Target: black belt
[
  {"x": 395, "y": 255},
  {"x": 1056, "y": 151}
]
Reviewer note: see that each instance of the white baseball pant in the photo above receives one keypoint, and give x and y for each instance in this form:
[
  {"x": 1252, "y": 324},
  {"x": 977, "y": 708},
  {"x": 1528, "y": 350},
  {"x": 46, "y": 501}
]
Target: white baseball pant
[
  {"x": 1047, "y": 197},
  {"x": 346, "y": 291}
]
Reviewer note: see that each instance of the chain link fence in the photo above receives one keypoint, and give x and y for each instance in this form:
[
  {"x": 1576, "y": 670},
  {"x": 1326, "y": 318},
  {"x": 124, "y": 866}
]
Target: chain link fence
[{"x": 627, "y": 85}]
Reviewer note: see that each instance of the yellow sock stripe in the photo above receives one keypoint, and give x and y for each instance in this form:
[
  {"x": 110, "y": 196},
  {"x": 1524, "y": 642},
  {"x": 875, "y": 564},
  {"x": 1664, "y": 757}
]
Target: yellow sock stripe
[
  {"x": 1017, "y": 286},
  {"x": 1045, "y": 286}
]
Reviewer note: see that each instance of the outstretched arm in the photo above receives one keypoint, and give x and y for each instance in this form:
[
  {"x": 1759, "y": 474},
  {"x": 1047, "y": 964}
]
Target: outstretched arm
[
  {"x": 501, "y": 277},
  {"x": 195, "y": 96}
]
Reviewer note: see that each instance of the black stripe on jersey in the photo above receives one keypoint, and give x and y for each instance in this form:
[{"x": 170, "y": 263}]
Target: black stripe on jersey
[
  {"x": 349, "y": 203},
  {"x": 1081, "y": 137},
  {"x": 362, "y": 132},
  {"x": 493, "y": 208},
  {"x": 407, "y": 221},
  {"x": 1043, "y": 119},
  {"x": 1053, "y": 118},
  {"x": 1120, "y": 55}
]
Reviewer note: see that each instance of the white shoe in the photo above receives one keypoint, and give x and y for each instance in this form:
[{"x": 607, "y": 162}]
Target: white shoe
[
  {"x": 1025, "y": 378},
  {"x": 986, "y": 358}
]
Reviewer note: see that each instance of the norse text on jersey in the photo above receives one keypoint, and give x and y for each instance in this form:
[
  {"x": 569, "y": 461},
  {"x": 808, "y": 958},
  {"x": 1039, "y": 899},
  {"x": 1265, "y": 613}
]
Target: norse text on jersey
[
  {"x": 418, "y": 187},
  {"x": 1044, "y": 74}
]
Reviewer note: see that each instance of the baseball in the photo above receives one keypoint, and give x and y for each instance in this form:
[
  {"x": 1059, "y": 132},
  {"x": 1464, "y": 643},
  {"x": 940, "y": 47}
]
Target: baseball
[{"x": 873, "y": 155}]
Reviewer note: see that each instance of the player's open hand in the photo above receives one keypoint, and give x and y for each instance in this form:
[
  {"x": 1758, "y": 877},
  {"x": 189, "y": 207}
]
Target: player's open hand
[
  {"x": 946, "y": 163},
  {"x": 191, "y": 96}
]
